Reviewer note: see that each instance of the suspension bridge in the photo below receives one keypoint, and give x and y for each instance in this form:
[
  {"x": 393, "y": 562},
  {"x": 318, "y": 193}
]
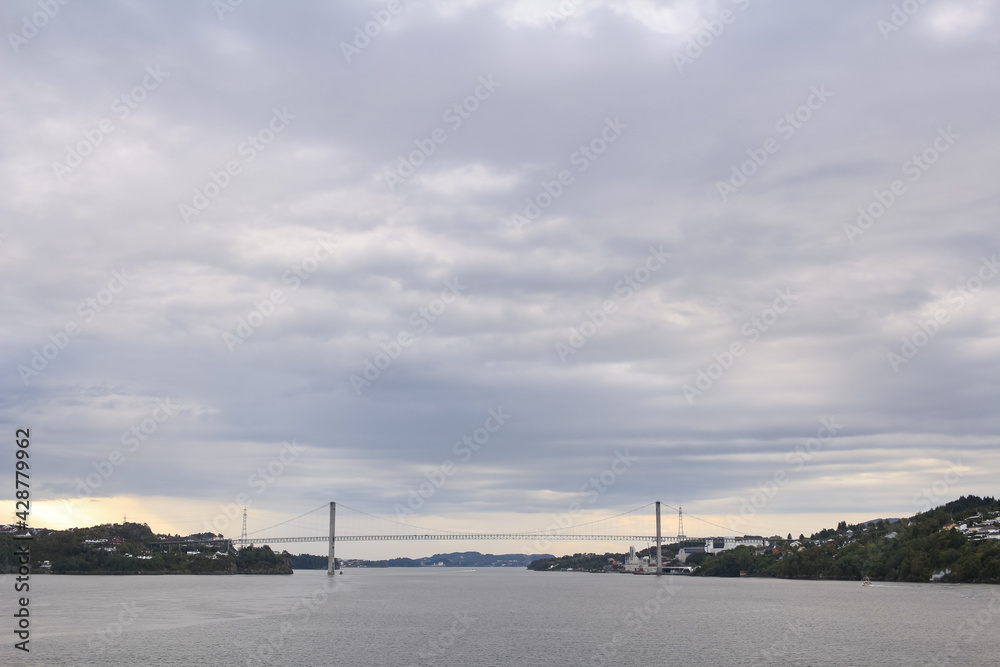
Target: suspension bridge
[{"x": 638, "y": 528}]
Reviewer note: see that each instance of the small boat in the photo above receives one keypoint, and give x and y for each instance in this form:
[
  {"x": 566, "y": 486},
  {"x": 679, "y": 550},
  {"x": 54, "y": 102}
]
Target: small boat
[{"x": 866, "y": 582}]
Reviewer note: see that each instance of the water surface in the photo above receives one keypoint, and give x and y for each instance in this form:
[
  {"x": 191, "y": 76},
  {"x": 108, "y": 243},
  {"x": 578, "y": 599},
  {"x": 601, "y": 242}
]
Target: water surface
[{"x": 496, "y": 617}]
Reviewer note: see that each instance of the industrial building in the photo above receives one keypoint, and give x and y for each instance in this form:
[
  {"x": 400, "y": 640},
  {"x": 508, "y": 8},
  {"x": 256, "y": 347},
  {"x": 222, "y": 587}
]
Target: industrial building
[{"x": 714, "y": 545}]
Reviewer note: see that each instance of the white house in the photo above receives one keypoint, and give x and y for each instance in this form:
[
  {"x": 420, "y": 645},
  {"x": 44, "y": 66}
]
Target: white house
[{"x": 714, "y": 545}]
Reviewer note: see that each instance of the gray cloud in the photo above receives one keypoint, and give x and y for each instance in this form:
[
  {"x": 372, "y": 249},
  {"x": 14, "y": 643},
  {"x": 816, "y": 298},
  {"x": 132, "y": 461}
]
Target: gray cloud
[{"x": 322, "y": 179}]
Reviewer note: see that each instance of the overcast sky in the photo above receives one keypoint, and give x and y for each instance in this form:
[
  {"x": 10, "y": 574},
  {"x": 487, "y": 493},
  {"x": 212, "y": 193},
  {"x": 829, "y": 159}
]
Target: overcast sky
[{"x": 669, "y": 242}]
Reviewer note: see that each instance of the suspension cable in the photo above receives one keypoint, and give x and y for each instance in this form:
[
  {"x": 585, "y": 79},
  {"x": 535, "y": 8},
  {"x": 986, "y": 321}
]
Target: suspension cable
[
  {"x": 537, "y": 532},
  {"x": 698, "y": 518},
  {"x": 408, "y": 525},
  {"x": 580, "y": 525},
  {"x": 289, "y": 520}
]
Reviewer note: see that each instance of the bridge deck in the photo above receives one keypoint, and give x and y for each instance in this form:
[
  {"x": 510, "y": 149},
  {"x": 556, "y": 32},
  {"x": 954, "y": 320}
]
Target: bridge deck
[{"x": 458, "y": 537}]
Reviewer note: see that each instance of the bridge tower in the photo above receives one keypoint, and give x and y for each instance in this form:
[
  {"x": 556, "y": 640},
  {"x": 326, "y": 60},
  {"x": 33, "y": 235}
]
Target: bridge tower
[
  {"x": 659, "y": 542},
  {"x": 332, "y": 564},
  {"x": 243, "y": 535},
  {"x": 680, "y": 524}
]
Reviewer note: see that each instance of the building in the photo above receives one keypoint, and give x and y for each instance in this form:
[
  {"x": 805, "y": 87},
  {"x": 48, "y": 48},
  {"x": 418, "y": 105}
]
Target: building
[
  {"x": 714, "y": 545},
  {"x": 637, "y": 565}
]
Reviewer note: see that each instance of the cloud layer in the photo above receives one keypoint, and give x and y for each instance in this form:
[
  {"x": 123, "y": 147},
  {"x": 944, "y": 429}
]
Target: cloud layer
[{"x": 688, "y": 231}]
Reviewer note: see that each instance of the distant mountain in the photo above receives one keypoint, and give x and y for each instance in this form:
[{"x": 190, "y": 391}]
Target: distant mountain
[
  {"x": 456, "y": 559},
  {"x": 476, "y": 559},
  {"x": 875, "y": 521}
]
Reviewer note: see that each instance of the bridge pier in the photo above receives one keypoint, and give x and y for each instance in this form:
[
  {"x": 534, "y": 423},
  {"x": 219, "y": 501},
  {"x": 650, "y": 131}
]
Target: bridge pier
[{"x": 331, "y": 567}]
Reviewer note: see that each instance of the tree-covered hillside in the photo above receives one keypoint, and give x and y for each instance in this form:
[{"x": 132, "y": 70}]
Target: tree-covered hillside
[
  {"x": 125, "y": 549},
  {"x": 957, "y": 540},
  {"x": 908, "y": 550}
]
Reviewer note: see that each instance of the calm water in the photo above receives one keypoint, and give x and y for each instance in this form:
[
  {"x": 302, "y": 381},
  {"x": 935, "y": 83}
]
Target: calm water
[{"x": 449, "y": 617}]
